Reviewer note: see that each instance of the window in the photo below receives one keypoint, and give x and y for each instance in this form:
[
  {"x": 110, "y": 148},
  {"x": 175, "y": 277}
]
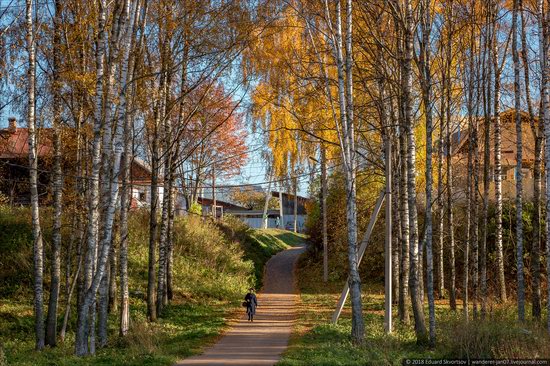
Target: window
[{"x": 142, "y": 196}]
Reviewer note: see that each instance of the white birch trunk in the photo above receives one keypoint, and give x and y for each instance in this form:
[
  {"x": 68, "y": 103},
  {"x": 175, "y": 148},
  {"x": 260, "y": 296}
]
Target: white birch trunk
[
  {"x": 426, "y": 80},
  {"x": 51, "y": 322},
  {"x": 38, "y": 249},
  {"x": 543, "y": 47},
  {"x": 345, "y": 91},
  {"x": 519, "y": 158},
  {"x": 538, "y": 131},
  {"x": 497, "y": 157},
  {"x": 487, "y": 99},
  {"x": 415, "y": 244}
]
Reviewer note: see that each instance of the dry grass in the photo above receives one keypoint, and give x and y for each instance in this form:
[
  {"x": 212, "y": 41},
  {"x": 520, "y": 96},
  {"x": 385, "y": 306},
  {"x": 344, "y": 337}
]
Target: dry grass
[{"x": 317, "y": 342}]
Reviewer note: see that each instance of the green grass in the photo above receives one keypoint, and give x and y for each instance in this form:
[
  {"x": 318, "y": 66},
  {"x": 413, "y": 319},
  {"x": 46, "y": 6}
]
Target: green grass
[
  {"x": 260, "y": 245},
  {"x": 315, "y": 341},
  {"x": 212, "y": 270},
  {"x": 183, "y": 331},
  {"x": 271, "y": 241}
]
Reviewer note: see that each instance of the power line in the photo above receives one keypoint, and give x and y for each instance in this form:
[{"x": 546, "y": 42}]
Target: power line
[{"x": 218, "y": 187}]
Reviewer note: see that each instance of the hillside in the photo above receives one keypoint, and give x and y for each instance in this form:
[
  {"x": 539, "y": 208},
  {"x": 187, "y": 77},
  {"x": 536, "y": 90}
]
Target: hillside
[{"x": 213, "y": 266}]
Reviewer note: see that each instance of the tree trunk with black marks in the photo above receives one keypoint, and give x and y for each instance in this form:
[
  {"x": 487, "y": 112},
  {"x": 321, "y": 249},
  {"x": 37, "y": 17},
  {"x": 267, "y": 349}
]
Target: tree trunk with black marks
[
  {"x": 38, "y": 247},
  {"x": 497, "y": 158},
  {"x": 51, "y": 321}
]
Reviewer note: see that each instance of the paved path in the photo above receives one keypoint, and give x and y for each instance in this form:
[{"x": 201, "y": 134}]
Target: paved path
[{"x": 262, "y": 341}]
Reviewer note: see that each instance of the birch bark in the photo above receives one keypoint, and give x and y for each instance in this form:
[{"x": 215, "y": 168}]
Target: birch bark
[
  {"x": 519, "y": 158},
  {"x": 51, "y": 321},
  {"x": 543, "y": 46},
  {"x": 497, "y": 157},
  {"x": 538, "y": 132},
  {"x": 38, "y": 247},
  {"x": 426, "y": 81}
]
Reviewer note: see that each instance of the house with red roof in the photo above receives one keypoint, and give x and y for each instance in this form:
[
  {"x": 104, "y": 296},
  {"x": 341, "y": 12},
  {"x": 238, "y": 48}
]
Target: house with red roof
[{"x": 14, "y": 161}]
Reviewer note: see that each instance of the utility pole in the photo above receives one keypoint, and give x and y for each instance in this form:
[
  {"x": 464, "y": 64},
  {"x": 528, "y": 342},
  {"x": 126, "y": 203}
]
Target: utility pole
[
  {"x": 214, "y": 193},
  {"x": 295, "y": 203},
  {"x": 360, "y": 253},
  {"x": 281, "y": 210}
]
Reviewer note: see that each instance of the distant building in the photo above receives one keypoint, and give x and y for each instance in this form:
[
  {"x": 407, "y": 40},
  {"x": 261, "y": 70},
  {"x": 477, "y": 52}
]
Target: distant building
[
  {"x": 14, "y": 162},
  {"x": 508, "y": 156},
  {"x": 254, "y": 218}
]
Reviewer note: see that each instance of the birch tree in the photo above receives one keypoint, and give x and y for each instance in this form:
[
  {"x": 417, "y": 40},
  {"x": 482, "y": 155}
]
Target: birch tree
[
  {"x": 38, "y": 247},
  {"x": 497, "y": 151},
  {"x": 519, "y": 158},
  {"x": 51, "y": 322},
  {"x": 426, "y": 81},
  {"x": 545, "y": 113},
  {"x": 538, "y": 132},
  {"x": 344, "y": 64},
  {"x": 487, "y": 105}
]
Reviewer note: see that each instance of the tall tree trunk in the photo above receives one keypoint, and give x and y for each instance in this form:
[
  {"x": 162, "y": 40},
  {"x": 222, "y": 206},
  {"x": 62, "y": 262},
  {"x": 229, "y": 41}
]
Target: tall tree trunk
[
  {"x": 357, "y": 323},
  {"x": 51, "y": 322},
  {"x": 100, "y": 268},
  {"x": 426, "y": 81},
  {"x": 396, "y": 224},
  {"x": 402, "y": 197},
  {"x": 125, "y": 201},
  {"x": 164, "y": 221},
  {"x": 126, "y": 194},
  {"x": 471, "y": 192},
  {"x": 170, "y": 239},
  {"x": 345, "y": 99},
  {"x": 112, "y": 148},
  {"x": 78, "y": 232},
  {"x": 440, "y": 204},
  {"x": 447, "y": 111},
  {"x": 545, "y": 112},
  {"x": 475, "y": 215},
  {"x": 469, "y": 218},
  {"x": 83, "y": 323},
  {"x": 519, "y": 158},
  {"x": 538, "y": 133},
  {"x": 404, "y": 221},
  {"x": 497, "y": 158},
  {"x": 153, "y": 219},
  {"x": 415, "y": 244},
  {"x": 487, "y": 103},
  {"x": 38, "y": 250}
]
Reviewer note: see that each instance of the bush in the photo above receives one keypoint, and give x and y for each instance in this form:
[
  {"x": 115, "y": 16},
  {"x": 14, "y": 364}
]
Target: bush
[
  {"x": 196, "y": 209},
  {"x": 205, "y": 262}
]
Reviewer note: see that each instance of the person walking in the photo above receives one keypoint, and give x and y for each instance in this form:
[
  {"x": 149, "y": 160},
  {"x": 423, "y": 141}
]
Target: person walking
[{"x": 251, "y": 303}]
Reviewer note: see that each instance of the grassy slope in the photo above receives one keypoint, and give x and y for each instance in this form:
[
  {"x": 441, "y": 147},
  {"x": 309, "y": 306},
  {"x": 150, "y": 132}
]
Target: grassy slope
[
  {"x": 270, "y": 241},
  {"x": 260, "y": 245},
  {"x": 197, "y": 316},
  {"x": 317, "y": 342}
]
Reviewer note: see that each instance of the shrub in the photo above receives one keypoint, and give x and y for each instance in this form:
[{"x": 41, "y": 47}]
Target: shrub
[{"x": 195, "y": 209}]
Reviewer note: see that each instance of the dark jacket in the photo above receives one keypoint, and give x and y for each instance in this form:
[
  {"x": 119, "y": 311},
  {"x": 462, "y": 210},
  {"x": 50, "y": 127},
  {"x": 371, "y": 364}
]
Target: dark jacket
[{"x": 251, "y": 302}]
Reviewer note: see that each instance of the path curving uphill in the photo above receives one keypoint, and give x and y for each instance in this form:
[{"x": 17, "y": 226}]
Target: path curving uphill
[{"x": 262, "y": 341}]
